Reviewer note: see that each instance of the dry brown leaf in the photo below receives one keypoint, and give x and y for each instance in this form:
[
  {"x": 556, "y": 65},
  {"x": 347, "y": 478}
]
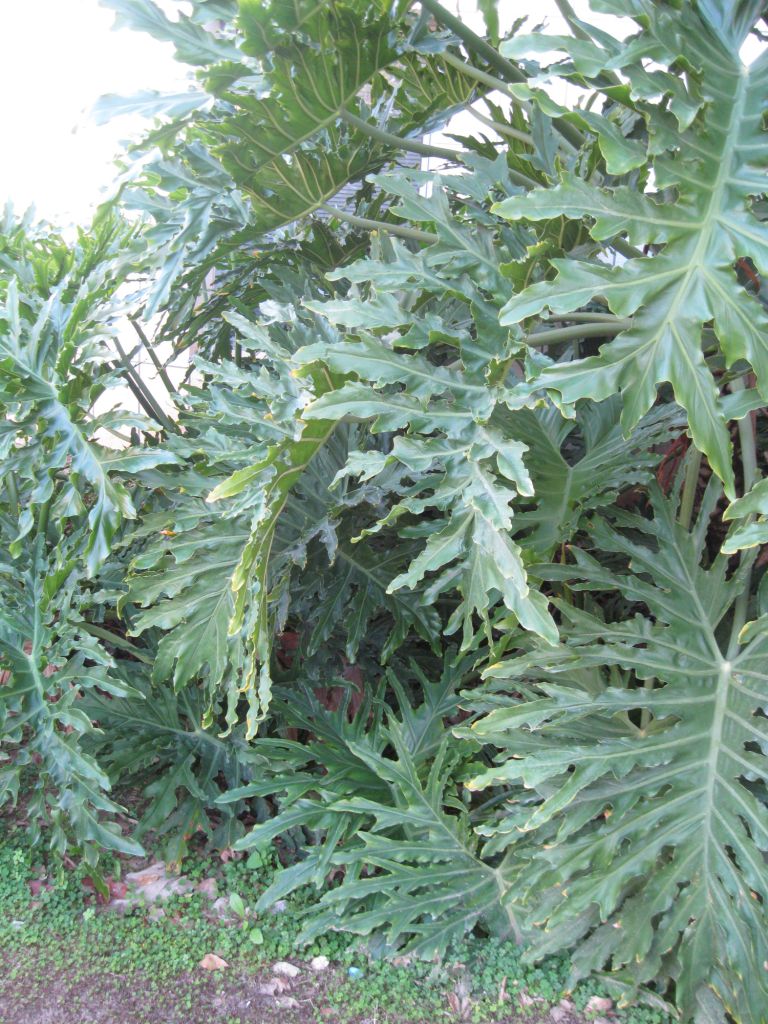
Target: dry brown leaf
[
  {"x": 273, "y": 987},
  {"x": 148, "y": 875},
  {"x": 599, "y": 1004},
  {"x": 207, "y": 887},
  {"x": 286, "y": 969},
  {"x": 154, "y": 883},
  {"x": 229, "y": 854},
  {"x": 213, "y": 962}
]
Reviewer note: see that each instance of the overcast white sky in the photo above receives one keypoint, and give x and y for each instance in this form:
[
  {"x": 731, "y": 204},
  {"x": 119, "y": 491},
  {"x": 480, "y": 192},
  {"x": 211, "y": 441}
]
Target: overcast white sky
[{"x": 58, "y": 56}]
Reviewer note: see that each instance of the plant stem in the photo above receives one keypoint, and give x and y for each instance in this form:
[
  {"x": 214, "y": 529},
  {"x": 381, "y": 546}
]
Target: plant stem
[
  {"x": 13, "y": 491},
  {"x": 474, "y": 42},
  {"x": 136, "y": 393},
  {"x": 482, "y": 76},
  {"x": 689, "y": 488},
  {"x": 381, "y": 225},
  {"x": 148, "y": 402},
  {"x": 116, "y": 641},
  {"x": 741, "y": 605},
  {"x": 478, "y": 45},
  {"x": 749, "y": 471},
  {"x": 502, "y": 129},
  {"x": 588, "y": 318},
  {"x": 42, "y": 519},
  {"x": 153, "y": 356},
  {"x": 596, "y": 329},
  {"x": 747, "y": 442},
  {"x": 569, "y": 16},
  {"x": 397, "y": 141},
  {"x": 622, "y": 246},
  {"x": 645, "y": 714},
  {"x": 600, "y": 329},
  {"x": 522, "y": 179},
  {"x": 116, "y": 433}
]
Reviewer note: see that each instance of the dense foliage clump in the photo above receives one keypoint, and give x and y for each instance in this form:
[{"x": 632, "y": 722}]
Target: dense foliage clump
[{"x": 444, "y": 566}]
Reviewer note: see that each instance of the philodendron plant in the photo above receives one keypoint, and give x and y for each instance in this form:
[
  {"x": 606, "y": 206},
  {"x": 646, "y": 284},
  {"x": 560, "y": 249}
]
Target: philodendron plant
[{"x": 450, "y": 553}]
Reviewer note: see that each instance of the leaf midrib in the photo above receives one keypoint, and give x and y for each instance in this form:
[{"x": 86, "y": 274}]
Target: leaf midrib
[{"x": 709, "y": 220}]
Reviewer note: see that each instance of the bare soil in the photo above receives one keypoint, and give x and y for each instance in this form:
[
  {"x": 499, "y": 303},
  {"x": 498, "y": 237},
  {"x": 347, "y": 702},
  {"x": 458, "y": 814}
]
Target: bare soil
[{"x": 222, "y": 997}]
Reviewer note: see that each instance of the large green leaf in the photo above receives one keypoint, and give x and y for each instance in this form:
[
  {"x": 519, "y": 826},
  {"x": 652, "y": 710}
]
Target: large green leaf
[
  {"x": 311, "y": 84},
  {"x": 583, "y": 464},
  {"x": 397, "y": 813},
  {"x": 183, "y": 580},
  {"x": 465, "y": 464},
  {"x": 285, "y": 129},
  {"x": 431, "y": 886},
  {"x": 52, "y": 661},
  {"x": 699, "y": 212},
  {"x": 193, "y": 43},
  {"x": 217, "y": 578},
  {"x": 273, "y": 478},
  {"x": 64, "y": 496},
  {"x": 58, "y": 307},
  {"x": 643, "y": 741},
  {"x": 153, "y": 739},
  {"x": 297, "y": 147},
  {"x": 752, "y": 508}
]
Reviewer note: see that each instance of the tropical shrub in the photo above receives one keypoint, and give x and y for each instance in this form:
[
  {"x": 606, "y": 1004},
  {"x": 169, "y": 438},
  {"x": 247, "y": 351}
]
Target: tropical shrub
[{"x": 446, "y": 566}]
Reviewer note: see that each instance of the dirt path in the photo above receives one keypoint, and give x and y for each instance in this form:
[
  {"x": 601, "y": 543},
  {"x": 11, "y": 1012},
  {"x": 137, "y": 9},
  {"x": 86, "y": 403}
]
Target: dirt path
[{"x": 223, "y": 997}]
